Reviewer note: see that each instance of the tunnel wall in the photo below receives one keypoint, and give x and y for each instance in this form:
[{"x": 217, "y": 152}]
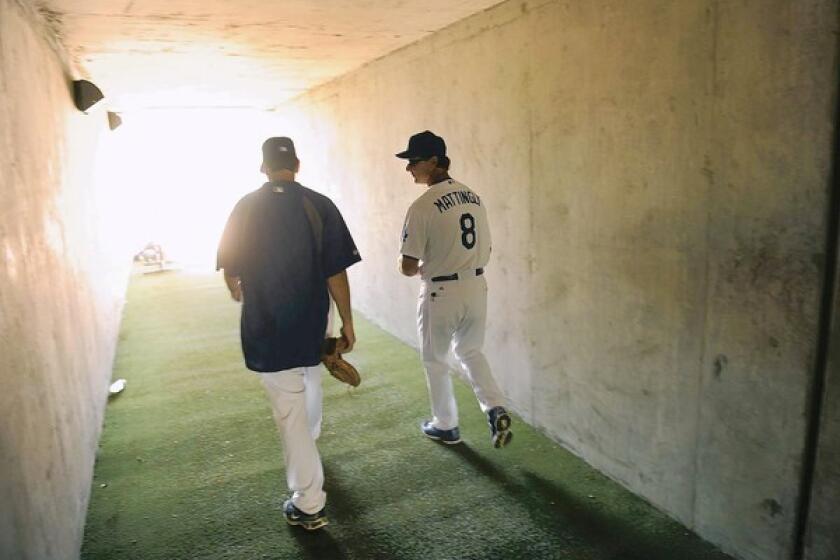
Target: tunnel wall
[
  {"x": 59, "y": 301},
  {"x": 656, "y": 176},
  {"x": 822, "y": 537}
]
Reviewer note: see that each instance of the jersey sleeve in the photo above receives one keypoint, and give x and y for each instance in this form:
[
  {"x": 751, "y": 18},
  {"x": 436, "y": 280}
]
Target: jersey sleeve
[
  {"x": 340, "y": 251},
  {"x": 229, "y": 255},
  {"x": 413, "y": 241}
]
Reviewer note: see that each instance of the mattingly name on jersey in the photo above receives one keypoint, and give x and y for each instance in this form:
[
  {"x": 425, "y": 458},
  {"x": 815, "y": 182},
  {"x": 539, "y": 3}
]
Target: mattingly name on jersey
[{"x": 455, "y": 198}]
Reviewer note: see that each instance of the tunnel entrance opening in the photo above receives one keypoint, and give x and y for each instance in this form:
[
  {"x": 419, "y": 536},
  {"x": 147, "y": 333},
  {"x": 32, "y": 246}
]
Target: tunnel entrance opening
[{"x": 179, "y": 172}]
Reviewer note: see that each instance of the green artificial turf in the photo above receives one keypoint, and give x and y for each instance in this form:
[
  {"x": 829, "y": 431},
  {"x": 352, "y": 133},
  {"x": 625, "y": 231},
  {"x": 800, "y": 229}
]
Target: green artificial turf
[{"x": 190, "y": 465}]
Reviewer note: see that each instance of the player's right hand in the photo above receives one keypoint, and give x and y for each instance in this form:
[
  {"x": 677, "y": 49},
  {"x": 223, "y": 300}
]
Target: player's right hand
[{"x": 347, "y": 340}]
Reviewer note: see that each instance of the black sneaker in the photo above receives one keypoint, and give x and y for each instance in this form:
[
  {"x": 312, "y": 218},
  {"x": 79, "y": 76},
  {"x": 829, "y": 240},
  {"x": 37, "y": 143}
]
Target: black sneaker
[
  {"x": 449, "y": 437},
  {"x": 499, "y": 421},
  {"x": 309, "y": 521}
]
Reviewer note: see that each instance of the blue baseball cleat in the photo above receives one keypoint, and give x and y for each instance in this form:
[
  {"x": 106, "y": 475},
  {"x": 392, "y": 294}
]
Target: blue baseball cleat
[
  {"x": 449, "y": 437},
  {"x": 499, "y": 421},
  {"x": 309, "y": 521}
]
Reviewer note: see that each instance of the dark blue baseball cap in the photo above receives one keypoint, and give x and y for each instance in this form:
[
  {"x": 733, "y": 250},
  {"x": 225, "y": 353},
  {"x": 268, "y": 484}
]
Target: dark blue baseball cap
[
  {"x": 279, "y": 153},
  {"x": 424, "y": 145}
]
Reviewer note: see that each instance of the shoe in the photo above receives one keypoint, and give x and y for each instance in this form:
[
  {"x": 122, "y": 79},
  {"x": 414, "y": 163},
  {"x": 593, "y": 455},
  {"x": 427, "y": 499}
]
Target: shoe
[
  {"x": 309, "y": 521},
  {"x": 499, "y": 421},
  {"x": 449, "y": 437}
]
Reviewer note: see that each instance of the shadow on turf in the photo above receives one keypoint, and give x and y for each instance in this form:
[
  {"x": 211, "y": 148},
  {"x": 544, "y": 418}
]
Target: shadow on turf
[
  {"x": 585, "y": 525},
  {"x": 554, "y": 508},
  {"x": 320, "y": 544},
  {"x": 362, "y": 542},
  {"x": 317, "y": 545}
]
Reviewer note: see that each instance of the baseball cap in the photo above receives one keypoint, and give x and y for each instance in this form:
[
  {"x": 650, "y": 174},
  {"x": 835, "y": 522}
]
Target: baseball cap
[
  {"x": 424, "y": 145},
  {"x": 279, "y": 153}
]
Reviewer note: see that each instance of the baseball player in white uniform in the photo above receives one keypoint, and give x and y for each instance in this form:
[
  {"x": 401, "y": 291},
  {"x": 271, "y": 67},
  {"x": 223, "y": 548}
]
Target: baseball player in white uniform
[{"x": 446, "y": 240}]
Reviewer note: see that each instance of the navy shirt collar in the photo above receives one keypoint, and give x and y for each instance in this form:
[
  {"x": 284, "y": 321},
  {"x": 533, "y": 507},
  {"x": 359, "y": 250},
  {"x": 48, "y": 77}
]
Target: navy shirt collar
[{"x": 286, "y": 185}]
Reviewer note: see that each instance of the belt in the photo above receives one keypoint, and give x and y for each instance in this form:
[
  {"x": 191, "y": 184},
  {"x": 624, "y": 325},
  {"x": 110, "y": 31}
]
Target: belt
[{"x": 478, "y": 272}]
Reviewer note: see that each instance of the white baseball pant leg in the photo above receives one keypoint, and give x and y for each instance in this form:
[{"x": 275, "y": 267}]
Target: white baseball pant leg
[
  {"x": 435, "y": 324},
  {"x": 314, "y": 390},
  {"x": 314, "y": 393},
  {"x": 456, "y": 314},
  {"x": 304, "y": 472},
  {"x": 468, "y": 340}
]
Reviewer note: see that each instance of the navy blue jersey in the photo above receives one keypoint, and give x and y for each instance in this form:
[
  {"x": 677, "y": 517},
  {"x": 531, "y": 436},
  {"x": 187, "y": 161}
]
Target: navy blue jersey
[{"x": 270, "y": 244}]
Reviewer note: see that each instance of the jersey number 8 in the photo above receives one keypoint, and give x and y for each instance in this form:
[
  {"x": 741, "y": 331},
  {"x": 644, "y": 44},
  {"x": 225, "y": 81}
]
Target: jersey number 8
[{"x": 467, "y": 231}]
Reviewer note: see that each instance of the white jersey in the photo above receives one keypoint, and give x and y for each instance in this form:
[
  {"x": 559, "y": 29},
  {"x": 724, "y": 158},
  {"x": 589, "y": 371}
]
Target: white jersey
[{"x": 447, "y": 229}]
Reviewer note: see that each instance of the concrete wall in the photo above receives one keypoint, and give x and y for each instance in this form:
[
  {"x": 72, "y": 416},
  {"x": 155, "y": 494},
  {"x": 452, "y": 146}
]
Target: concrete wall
[
  {"x": 822, "y": 537},
  {"x": 59, "y": 305},
  {"x": 656, "y": 176},
  {"x": 774, "y": 99}
]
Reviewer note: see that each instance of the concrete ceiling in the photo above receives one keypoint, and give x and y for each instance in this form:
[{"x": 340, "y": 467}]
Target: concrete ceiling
[{"x": 235, "y": 53}]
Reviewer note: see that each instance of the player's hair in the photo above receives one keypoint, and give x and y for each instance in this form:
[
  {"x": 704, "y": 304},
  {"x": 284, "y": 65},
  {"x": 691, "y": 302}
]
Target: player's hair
[{"x": 443, "y": 162}]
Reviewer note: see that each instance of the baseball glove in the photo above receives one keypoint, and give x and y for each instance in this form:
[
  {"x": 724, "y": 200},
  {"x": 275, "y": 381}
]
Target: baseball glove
[{"x": 336, "y": 365}]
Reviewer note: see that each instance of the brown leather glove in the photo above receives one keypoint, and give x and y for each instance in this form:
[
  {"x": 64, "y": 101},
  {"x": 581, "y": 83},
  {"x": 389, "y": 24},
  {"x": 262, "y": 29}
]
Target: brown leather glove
[{"x": 338, "y": 367}]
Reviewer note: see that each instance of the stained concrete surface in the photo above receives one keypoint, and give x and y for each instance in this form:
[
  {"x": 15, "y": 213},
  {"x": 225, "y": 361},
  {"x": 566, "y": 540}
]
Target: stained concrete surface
[
  {"x": 774, "y": 94},
  {"x": 656, "y": 179},
  {"x": 822, "y": 539},
  {"x": 252, "y": 53},
  {"x": 59, "y": 308}
]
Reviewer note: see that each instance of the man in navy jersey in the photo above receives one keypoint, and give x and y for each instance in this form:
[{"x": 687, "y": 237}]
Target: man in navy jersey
[{"x": 285, "y": 251}]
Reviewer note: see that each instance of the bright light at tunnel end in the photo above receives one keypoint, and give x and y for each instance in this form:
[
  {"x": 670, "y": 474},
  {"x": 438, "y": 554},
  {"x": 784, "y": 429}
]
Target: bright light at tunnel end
[{"x": 172, "y": 176}]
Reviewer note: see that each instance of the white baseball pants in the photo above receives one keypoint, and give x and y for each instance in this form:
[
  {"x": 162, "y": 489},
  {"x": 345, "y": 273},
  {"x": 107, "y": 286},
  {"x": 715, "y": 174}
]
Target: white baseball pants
[
  {"x": 295, "y": 396},
  {"x": 454, "y": 313},
  {"x": 314, "y": 391}
]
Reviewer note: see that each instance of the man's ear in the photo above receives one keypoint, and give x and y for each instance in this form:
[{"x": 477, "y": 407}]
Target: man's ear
[
  {"x": 297, "y": 166},
  {"x": 262, "y": 167},
  {"x": 434, "y": 160}
]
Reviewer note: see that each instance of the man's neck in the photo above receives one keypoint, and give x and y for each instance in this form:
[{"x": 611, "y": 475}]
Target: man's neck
[
  {"x": 437, "y": 177},
  {"x": 282, "y": 175}
]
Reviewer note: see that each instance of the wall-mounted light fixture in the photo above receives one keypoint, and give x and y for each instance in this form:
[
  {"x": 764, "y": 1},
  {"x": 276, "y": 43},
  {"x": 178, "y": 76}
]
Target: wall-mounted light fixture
[
  {"x": 114, "y": 120},
  {"x": 85, "y": 94}
]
